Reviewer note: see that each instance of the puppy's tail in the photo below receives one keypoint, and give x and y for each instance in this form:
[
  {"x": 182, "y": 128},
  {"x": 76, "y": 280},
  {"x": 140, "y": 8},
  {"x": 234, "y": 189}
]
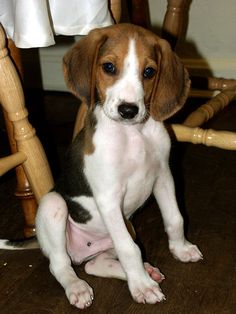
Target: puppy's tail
[{"x": 21, "y": 244}]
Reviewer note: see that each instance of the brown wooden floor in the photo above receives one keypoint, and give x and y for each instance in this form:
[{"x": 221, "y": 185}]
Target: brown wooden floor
[{"x": 206, "y": 188}]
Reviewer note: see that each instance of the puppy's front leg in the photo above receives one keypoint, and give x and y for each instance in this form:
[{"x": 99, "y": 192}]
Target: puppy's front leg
[
  {"x": 142, "y": 287},
  {"x": 164, "y": 192}
]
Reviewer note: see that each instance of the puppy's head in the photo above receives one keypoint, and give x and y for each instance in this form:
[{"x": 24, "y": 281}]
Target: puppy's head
[{"x": 129, "y": 71}]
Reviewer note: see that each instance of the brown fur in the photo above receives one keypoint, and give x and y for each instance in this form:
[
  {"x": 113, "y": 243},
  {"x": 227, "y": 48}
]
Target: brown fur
[{"x": 90, "y": 124}]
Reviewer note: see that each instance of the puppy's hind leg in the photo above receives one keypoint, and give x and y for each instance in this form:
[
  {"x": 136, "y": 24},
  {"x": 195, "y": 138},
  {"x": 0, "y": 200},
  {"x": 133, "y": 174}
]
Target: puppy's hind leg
[
  {"x": 51, "y": 232},
  {"x": 107, "y": 265}
]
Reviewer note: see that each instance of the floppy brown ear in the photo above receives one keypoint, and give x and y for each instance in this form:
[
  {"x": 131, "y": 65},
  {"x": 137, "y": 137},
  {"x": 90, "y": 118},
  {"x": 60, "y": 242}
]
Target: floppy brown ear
[
  {"x": 79, "y": 65},
  {"x": 171, "y": 85}
]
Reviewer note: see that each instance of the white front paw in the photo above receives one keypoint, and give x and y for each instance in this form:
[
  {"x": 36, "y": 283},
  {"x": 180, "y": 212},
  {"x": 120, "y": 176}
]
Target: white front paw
[
  {"x": 185, "y": 252},
  {"x": 146, "y": 290},
  {"x": 79, "y": 294}
]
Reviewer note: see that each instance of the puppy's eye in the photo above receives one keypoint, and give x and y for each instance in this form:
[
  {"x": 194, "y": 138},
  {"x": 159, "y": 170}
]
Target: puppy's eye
[
  {"x": 149, "y": 72},
  {"x": 109, "y": 68}
]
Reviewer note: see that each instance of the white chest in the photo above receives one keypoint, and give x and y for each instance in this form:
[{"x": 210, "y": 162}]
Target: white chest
[{"x": 126, "y": 161}]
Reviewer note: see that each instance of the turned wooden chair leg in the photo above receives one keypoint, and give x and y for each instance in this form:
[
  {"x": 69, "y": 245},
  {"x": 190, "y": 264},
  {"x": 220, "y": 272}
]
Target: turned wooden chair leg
[
  {"x": 175, "y": 20},
  {"x": 23, "y": 139},
  {"x": 115, "y": 8},
  {"x": 139, "y": 12},
  {"x": 23, "y": 191}
]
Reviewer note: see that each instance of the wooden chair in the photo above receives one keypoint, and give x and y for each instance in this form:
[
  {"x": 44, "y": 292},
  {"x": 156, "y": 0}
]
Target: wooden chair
[
  {"x": 23, "y": 190},
  {"x": 26, "y": 147}
]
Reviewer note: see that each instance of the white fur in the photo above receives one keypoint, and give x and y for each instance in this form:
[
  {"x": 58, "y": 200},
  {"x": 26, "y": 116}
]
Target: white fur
[{"x": 130, "y": 162}]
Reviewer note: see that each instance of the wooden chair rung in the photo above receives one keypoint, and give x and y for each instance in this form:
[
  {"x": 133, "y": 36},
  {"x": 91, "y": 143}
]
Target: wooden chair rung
[
  {"x": 220, "y": 83},
  {"x": 209, "y": 137},
  {"x": 211, "y": 108},
  {"x": 10, "y": 162}
]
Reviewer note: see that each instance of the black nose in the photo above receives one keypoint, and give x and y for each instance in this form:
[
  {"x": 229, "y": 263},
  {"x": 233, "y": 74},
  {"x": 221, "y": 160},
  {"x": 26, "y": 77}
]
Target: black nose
[{"x": 127, "y": 110}]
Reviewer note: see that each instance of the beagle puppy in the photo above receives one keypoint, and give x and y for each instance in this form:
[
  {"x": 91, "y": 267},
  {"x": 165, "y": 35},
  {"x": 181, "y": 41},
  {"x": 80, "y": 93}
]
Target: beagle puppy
[{"x": 131, "y": 81}]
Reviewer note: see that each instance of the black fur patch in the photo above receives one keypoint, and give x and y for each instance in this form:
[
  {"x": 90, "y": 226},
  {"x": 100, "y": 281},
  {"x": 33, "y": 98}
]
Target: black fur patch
[
  {"x": 72, "y": 181},
  {"x": 77, "y": 212}
]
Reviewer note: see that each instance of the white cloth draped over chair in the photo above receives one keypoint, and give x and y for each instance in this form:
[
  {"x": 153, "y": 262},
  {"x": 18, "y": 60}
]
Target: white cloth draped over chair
[{"x": 33, "y": 23}]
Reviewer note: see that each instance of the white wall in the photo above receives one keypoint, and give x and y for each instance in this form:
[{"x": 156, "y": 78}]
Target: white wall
[{"x": 210, "y": 44}]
